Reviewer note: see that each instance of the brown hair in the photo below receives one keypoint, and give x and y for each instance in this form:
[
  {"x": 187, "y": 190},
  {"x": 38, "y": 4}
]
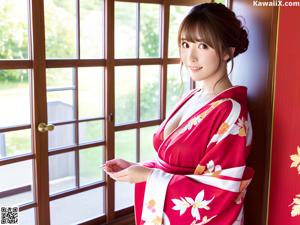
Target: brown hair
[{"x": 218, "y": 26}]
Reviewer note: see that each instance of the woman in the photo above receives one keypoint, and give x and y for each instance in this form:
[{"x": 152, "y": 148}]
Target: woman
[{"x": 200, "y": 176}]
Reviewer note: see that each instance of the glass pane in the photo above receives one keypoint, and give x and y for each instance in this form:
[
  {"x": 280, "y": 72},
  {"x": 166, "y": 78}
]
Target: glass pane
[
  {"x": 123, "y": 200},
  {"x": 147, "y": 151},
  {"x": 13, "y": 29},
  {"x": 60, "y": 77},
  {"x": 125, "y": 145},
  {"x": 91, "y": 92},
  {"x": 60, "y": 105},
  {"x": 27, "y": 217},
  {"x": 77, "y": 208},
  {"x": 150, "y": 31},
  {"x": 91, "y": 29},
  {"x": 18, "y": 186},
  {"x": 91, "y": 131},
  {"x": 150, "y": 92},
  {"x": 90, "y": 160},
  {"x": 15, "y": 143},
  {"x": 125, "y": 30},
  {"x": 125, "y": 148},
  {"x": 60, "y": 28},
  {"x": 125, "y": 94},
  {"x": 221, "y": 1},
  {"x": 14, "y": 95},
  {"x": 177, "y": 85},
  {"x": 61, "y": 172},
  {"x": 177, "y": 14},
  {"x": 61, "y": 136}
]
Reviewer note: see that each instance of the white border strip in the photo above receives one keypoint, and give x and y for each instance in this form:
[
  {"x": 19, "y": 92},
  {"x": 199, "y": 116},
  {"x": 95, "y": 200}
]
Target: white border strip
[
  {"x": 235, "y": 172},
  {"x": 228, "y": 185},
  {"x": 155, "y": 191}
]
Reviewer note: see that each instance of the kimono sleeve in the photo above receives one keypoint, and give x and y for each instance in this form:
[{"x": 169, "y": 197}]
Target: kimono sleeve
[{"x": 214, "y": 192}]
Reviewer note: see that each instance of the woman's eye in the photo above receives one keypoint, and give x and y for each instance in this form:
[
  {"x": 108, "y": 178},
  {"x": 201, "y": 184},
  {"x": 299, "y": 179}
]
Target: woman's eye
[
  {"x": 203, "y": 46},
  {"x": 184, "y": 44}
]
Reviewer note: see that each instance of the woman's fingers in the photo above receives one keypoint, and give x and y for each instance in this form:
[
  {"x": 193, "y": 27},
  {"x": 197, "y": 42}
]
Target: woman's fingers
[
  {"x": 112, "y": 167},
  {"x": 120, "y": 173},
  {"x": 107, "y": 169},
  {"x": 114, "y": 163},
  {"x": 132, "y": 174},
  {"x": 111, "y": 162},
  {"x": 119, "y": 162},
  {"x": 115, "y": 168}
]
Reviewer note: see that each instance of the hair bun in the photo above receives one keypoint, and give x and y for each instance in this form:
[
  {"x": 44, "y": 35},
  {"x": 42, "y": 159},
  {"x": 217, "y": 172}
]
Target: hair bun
[{"x": 243, "y": 42}]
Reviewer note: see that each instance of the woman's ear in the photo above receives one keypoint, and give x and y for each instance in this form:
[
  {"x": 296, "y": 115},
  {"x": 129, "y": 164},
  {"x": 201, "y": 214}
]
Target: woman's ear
[{"x": 227, "y": 56}]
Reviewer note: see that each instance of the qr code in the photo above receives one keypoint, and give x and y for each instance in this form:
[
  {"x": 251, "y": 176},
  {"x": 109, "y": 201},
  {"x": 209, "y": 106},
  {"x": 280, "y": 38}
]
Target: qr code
[{"x": 9, "y": 215}]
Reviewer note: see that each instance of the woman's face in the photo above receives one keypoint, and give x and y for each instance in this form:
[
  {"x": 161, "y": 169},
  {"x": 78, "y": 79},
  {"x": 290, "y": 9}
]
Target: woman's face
[{"x": 200, "y": 59}]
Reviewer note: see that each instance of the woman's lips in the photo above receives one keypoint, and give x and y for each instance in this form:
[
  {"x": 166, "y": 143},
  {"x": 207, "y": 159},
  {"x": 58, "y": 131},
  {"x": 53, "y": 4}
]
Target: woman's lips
[{"x": 195, "y": 68}]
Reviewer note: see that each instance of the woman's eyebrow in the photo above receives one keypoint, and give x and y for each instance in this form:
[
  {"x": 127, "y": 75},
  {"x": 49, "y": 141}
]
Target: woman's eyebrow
[{"x": 198, "y": 39}]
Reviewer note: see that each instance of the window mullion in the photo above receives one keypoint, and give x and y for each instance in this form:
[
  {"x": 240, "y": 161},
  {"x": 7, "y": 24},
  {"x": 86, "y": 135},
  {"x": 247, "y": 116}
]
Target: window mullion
[
  {"x": 76, "y": 116},
  {"x": 164, "y": 49},
  {"x": 78, "y": 28},
  {"x": 138, "y": 112},
  {"x": 138, "y": 26},
  {"x": 39, "y": 113},
  {"x": 76, "y": 105},
  {"x": 109, "y": 103}
]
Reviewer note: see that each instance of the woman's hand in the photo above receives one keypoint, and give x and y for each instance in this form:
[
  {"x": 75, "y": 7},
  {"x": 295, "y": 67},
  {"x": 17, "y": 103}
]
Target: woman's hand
[
  {"x": 132, "y": 174},
  {"x": 116, "y": 165}
]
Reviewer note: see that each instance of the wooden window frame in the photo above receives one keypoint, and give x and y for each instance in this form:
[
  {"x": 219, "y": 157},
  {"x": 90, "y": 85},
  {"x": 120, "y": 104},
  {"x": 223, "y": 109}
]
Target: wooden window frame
[{"x": 37, "y": 64}]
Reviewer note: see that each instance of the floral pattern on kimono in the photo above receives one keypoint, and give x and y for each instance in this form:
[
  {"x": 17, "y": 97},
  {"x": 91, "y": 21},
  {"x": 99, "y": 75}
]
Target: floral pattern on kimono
[{"x": 200, "y": 176}]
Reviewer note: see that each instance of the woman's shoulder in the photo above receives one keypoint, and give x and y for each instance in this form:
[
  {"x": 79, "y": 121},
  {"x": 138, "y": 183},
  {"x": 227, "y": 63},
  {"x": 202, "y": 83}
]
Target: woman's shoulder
[{"x": 229, "y": 110}]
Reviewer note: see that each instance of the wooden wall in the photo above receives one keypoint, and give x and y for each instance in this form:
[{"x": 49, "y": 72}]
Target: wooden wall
[{"x": 254, "y": 69}]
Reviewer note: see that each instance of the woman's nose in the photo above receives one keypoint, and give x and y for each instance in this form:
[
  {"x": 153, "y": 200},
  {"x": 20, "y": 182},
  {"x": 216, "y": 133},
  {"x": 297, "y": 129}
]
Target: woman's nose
[{"x": 192, "y": 55}]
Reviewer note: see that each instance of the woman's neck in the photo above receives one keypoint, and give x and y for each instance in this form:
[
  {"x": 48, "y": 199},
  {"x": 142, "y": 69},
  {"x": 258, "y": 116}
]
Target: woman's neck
[{"x": 218, "y": 87}]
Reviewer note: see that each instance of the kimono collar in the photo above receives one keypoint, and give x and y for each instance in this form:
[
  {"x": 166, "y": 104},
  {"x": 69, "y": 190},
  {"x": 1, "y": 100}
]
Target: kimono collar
[{"x": 237, "y": 93}]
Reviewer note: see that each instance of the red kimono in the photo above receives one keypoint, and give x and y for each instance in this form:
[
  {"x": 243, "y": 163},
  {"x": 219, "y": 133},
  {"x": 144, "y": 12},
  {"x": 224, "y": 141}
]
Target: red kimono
[{"x": 200, "y": 176}]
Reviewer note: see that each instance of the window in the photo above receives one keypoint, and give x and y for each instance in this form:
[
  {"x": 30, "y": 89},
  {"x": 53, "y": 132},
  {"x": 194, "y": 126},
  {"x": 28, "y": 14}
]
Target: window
[{"x": 105, "y": 74}]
